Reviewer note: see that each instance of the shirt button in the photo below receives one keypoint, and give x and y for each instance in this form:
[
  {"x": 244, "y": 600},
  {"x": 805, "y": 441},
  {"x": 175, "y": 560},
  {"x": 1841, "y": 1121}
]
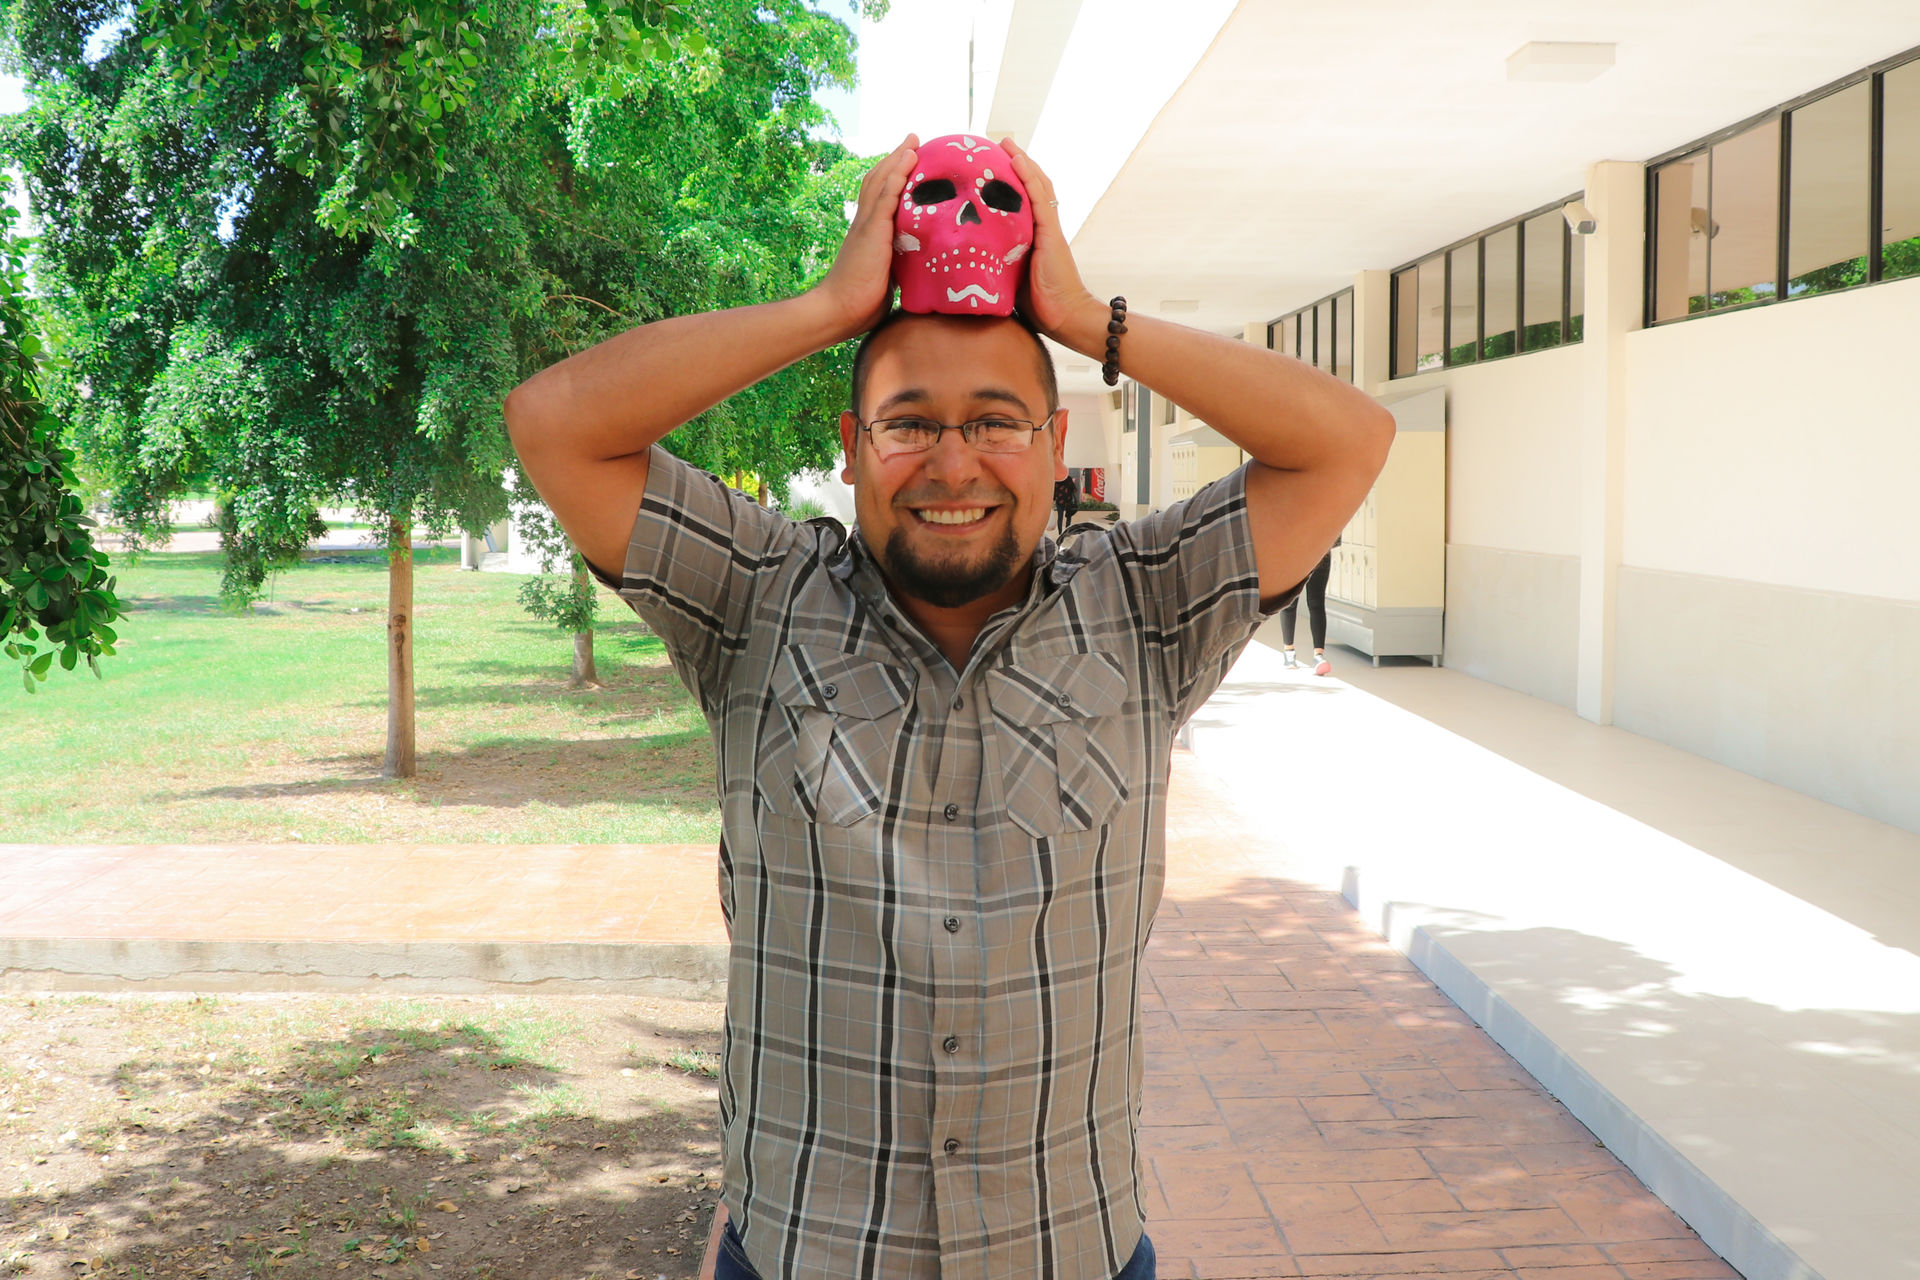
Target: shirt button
[
  {"x": 1065, "y": 700},
  {"x": 950, "y": 1146},
  {"x": 829, "y": 690},
  {"x": 952, "y": 812},
  {"x": 951, "y": 1044},
  {"x": 958, "y": 703},
  {"x": 893, "y": 622},
  {"x": 952, "y": 923}
]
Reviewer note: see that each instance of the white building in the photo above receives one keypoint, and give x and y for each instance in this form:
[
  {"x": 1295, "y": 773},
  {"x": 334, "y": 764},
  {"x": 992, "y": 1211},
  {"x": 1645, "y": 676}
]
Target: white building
[{"x": 1649, "y": 273}]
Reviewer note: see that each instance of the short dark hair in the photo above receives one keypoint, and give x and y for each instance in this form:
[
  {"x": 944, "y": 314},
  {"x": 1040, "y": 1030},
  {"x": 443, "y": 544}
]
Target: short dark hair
[{"x": 862, "y": 356}]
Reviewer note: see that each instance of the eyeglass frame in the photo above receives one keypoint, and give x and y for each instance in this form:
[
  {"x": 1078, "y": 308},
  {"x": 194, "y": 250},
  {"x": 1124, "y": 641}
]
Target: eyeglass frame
[{"x": 1033, "y": 429}]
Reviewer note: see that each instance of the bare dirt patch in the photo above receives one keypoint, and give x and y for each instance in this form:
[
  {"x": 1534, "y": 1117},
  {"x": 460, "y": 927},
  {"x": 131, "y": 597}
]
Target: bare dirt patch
[{"x": 499, "y": 1138}]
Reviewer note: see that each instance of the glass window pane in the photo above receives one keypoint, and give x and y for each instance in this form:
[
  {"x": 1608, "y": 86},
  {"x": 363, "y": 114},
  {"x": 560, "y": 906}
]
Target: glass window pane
[
  {"x": 1540, "y": 301},
  {"x": 1900, "y": 173},
  {"x": 1744, "y": 237},
  {"x": 1576, "y": 288},
  {"x": 1343, "y": 337},
  {"x": 1502, "y": 292},
  {"x": 1283, "y": 339},
  {"x": 1680, "y": 238},
  {"x": 1827, "y": 232},
  {"x": 1463, "y": 304},
  {"x": 1433, "y": 299},
  {"x": 1406, "y": 321},
  {"x": 1323, "y": 336}
]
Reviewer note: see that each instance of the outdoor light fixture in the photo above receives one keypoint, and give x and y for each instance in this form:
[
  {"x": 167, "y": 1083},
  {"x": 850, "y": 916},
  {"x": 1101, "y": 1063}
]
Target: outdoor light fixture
[
  {"x": 1559, "y": 61},
  {"x": 1580, "y": 218}
]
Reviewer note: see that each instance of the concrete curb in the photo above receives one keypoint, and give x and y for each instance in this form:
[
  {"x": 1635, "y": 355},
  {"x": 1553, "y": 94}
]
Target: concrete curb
[{"x": 680, "y": 971}]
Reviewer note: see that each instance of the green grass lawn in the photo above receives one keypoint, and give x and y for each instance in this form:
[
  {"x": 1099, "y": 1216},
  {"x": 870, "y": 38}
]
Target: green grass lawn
[{"x": 216, "y": 727}]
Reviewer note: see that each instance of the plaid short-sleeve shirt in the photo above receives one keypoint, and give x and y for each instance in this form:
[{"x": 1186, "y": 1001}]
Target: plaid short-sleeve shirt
[{"x": 939, "y": 883}]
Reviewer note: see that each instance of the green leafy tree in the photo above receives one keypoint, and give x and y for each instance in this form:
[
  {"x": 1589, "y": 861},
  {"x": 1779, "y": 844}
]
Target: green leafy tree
[
  {"x": 563, "y": 592},
  {"x": 303, "y": 250},
  {"x": 53, "y": 582}
]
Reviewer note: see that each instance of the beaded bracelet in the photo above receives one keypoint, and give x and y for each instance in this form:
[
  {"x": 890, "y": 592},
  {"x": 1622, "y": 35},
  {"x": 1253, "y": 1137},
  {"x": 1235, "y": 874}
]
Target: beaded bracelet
[{"x": 1115, "y": 327}]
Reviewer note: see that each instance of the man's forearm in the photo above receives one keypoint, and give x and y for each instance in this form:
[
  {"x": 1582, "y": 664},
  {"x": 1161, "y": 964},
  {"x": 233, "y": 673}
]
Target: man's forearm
[
  {"x": 621, "y": 396},
  {"x": 1284, "y": 413}
]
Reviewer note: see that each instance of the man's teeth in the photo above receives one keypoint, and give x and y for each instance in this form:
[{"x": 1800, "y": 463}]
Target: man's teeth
[{"x": 967, "y": 516}]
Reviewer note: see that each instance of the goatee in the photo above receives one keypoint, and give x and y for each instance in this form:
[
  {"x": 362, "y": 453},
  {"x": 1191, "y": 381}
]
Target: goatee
[{"x": 950, "y": 583}]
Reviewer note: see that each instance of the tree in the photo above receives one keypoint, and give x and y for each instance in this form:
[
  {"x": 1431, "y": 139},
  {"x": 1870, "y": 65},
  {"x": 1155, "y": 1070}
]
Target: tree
[
  {"x": 306, "y": 250},
  {"x": 52, "y": 580},
  {"x": 563, "y": 592}
]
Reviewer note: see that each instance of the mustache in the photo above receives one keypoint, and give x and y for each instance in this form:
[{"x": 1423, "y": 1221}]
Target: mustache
[{"x": 933, "y": 495}]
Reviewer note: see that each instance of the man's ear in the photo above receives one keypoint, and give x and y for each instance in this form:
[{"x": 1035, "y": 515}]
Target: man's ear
[
  {"x": 1060, "y": 446},
  {"x": 849, "y": 438}
]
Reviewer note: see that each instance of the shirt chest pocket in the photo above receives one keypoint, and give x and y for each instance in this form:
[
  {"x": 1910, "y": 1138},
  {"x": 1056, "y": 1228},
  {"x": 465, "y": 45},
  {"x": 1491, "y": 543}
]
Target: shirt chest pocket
[
  {"x": 1064, "y": 758},
  {"x": 831, "y": 747}
]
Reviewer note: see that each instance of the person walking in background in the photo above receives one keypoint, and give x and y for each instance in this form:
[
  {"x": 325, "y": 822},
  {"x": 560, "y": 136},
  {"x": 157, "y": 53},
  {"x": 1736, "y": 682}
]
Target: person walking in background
[
  {"x": 1066, "y": 501},
  {"x": 1316, "y": 595}
]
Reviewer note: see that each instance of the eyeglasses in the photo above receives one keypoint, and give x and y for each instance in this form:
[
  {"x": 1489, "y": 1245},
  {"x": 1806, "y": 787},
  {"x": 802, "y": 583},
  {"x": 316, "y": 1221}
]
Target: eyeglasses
[{"x": 894, "y": 436}]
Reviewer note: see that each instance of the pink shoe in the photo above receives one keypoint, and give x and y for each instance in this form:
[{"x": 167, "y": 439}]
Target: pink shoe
[{"x": 1322, "y": 667}]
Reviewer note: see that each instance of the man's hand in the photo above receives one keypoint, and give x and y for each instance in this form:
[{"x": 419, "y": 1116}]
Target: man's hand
[
  {"x": 859, "y": 285},
  {"x": 1053, "y": 297}
]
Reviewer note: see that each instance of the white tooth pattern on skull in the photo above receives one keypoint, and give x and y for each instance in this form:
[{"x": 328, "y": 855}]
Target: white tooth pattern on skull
[{"x": 949, "y": 255}]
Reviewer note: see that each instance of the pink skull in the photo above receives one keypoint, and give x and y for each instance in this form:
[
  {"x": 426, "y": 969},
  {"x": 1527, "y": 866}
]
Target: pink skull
[{"x": 962, "y": 231}]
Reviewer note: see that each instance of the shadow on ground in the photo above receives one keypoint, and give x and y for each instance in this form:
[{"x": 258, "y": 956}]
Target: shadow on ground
[
  {"x": 416, "y": 1147},
  {"x": 509, "y": 772}
]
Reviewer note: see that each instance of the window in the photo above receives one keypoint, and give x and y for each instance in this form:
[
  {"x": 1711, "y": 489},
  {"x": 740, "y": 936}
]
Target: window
[
  {"x": 1829, "y": 184},
  {"x": 1743, "y": 242},
  {"x": 1821, "y": 194},
  {"x": 1681, "y": 230},
  {"x": 1321, "y": 335},
  {"x": 1576, "y": 288},
  {"x": 1900, "y": 172},
  {"x": 1501, "y": 293},
  {"x": 1406, "y": 312},
  {"x": 1432, "y": 314},
  {"x": 1544, "y": 241},
  {"x": 1343, "y": 338},
  {"x": 1463, "y": 304}
]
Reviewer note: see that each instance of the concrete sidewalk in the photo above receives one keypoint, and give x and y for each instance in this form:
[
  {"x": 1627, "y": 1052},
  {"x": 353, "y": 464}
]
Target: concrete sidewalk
[{"x": 1717, "y": 975}]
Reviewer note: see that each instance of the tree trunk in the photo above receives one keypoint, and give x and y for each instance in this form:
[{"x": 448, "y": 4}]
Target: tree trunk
[
  {"x": 399, "y": 761},
  {"x": 763, "y": 493},
  {"x": 584, "y": 675}
]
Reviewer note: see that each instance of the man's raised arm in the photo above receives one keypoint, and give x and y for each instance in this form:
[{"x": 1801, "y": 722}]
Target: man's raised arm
[
  {"x": 1317, "y": 442},
  {"x": 582, "y": 427}
]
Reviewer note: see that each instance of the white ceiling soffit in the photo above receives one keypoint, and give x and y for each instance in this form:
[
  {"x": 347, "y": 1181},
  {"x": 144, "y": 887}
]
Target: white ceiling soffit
[
  {"x": 1036, "y": 34},
  {"x": 1256, "y": 159}
]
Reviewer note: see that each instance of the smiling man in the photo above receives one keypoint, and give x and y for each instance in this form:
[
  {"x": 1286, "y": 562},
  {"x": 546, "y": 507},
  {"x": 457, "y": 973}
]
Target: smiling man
[{"x": 943, "y": 739}]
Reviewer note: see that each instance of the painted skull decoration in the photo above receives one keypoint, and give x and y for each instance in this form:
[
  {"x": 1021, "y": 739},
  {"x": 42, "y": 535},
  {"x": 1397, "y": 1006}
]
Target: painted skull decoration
[{"x": 962, "y": 231}]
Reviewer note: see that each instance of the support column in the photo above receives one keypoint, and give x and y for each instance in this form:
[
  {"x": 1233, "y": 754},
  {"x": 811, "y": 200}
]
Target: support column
[
  {"x": 1615, "y": 289},
  {"x": 1372, "y": 330}
]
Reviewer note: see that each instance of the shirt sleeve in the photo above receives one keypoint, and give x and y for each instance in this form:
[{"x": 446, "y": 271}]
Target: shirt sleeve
[
  {"x": 1193, "y": 571},
  {"x": 698, "y": 555}
]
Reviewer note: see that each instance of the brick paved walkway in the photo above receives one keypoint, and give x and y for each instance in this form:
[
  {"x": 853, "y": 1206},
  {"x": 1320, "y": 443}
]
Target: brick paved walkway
[{"x": 1315, "y": 1107}]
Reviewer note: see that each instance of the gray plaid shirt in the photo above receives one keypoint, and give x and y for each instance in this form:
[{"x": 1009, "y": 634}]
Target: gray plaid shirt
[{"x": 939, "y": 883}]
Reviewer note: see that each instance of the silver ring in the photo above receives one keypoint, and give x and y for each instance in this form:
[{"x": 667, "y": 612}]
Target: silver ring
[{"x": 1053, "y": 204}]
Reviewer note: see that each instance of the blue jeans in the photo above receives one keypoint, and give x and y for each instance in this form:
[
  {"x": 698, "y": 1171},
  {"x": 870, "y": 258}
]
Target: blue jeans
[{"x": 732, "y": 1263}]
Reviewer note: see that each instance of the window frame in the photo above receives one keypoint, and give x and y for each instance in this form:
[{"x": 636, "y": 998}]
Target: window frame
[
  {"x": 1479, "y": 239},
  {"x": 1306, "y": 345},
  {"x": 1874, "y": 75}
]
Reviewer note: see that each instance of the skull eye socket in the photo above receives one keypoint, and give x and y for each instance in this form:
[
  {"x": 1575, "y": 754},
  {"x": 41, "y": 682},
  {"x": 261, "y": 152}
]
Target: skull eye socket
[
  {"x": 933, "y": 191},
  {"x": 1000, "y": 195}
]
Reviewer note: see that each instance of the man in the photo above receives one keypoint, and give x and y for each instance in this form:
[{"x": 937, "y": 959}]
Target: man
[
  {"x": 943, "y": 742},
  {"x": 1066, "y": 501}
]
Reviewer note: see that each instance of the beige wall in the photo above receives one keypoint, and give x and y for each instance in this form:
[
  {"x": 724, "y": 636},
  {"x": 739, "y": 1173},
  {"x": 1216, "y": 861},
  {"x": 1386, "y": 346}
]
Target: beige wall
[
  {"x": 1781, "y": 445},
  {"x": 1512, "y": 460}
]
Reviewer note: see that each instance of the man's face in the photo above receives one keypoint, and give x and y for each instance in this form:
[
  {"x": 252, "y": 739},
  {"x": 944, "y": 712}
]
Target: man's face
[{"x": 953, "y": 525}]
